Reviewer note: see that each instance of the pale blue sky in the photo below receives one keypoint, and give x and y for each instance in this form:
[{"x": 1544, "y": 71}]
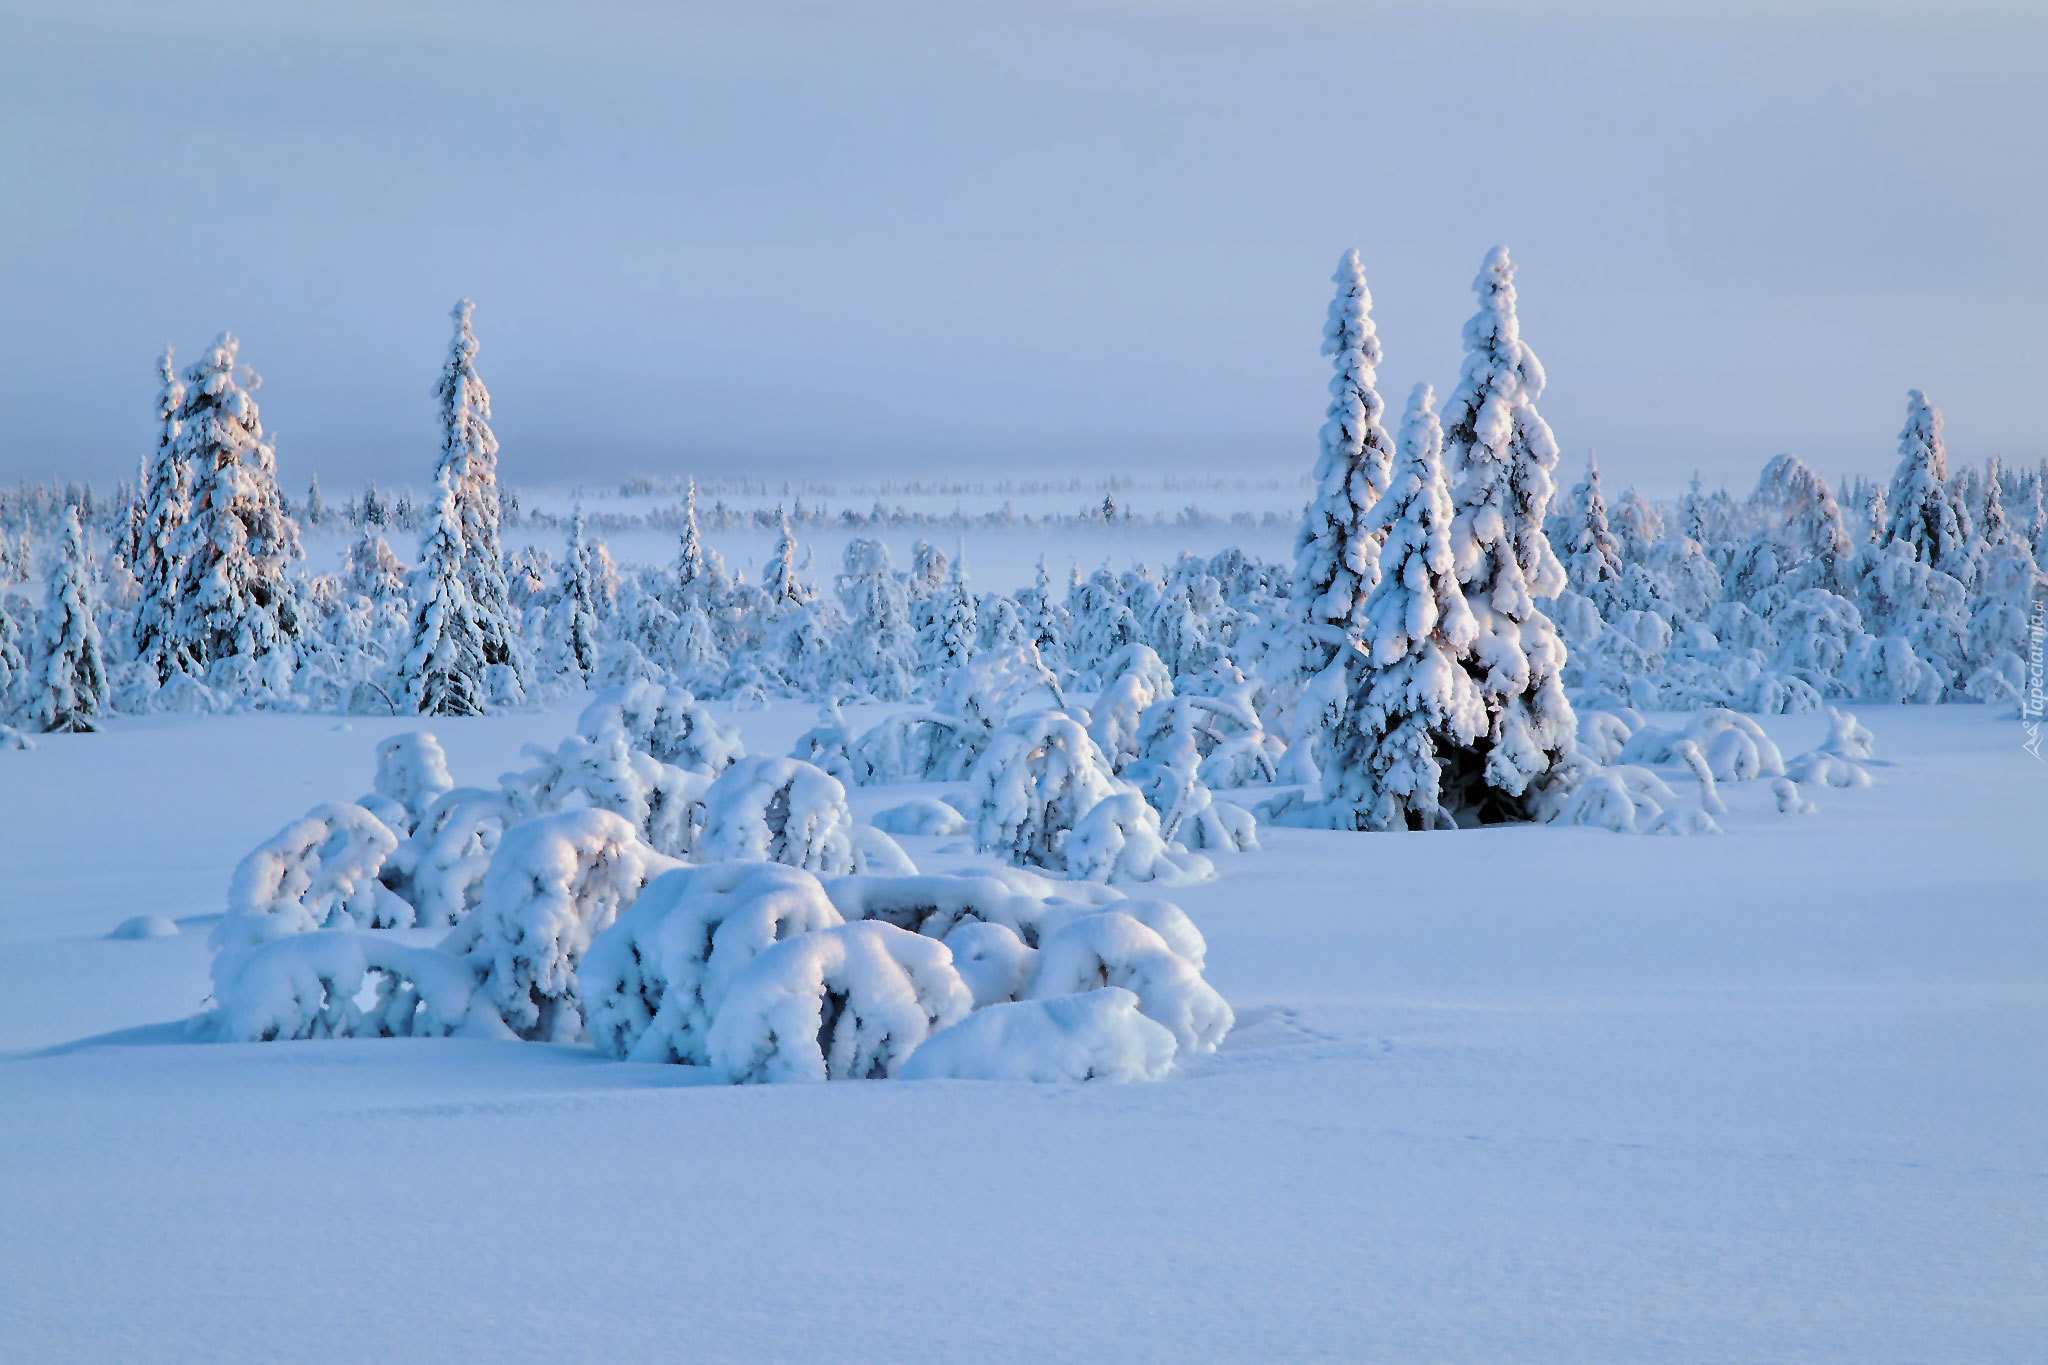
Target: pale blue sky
[{"x": 887, "y": 238}]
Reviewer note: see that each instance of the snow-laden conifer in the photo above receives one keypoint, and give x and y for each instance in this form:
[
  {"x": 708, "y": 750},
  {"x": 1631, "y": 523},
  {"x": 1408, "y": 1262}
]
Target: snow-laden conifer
[
  {"x": 1501, "y": 455},
  {"x": 469, "y": 456},
  {"x": 237, "y": 615},
  {"x": 691, "y": 583},
  {"x": 577, "y": 627},
  {"x": 1592, "y": 556},
  {"x": 443, "y": 670},
  {"x": 1335, "y": 555},
  {"x": 1417, "y": 697},
  {"x": 1924, "y": 510},
  {"x": 166, "y": 505},
  {"x": 69, "y": 680}
]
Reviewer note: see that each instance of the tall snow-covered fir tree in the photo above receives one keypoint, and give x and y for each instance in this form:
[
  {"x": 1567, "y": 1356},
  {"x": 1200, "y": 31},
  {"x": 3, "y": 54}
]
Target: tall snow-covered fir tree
[
  {"x": 166, "y": 506},
  {"x": 1924, "y": 510},
  {"x": 1335, "y": 555},
  {"x": 690, "y": 580},
  {"x": 68, "y": 677},
  {"x": 236, "y": 621},
  {"x": 316, "y": 504},
  {"x": 952, "y": 634},
  {"x": 1501, "y": 455},
  {"x": 13, "y": 662},
  {"x": 1993, "y": 529},
  {"x": 577, "y": 630},
  {"x": 1810, "y": 524},
  {"x": 1593, "y": 554},
  {"x": 469, "y": 455},
  {"x": 1415, "y": 698},
  {"x": 778, "y": 577},
  {"x": 443, "y": 670}
]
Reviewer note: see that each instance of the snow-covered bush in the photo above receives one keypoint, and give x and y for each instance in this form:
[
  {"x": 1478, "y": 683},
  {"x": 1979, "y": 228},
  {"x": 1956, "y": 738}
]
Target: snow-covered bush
[
  {"x": 1097, "y": 1035},
  {"x": 412, "y": 773},
  {"x": 440, "y": 869},
  {"x": 779, "y": 810},
  {"x": 1134, "y": 680},
  {"x": 554, "y": 884},
  {"x": 1111, "y": 948},
  {"x": 665, "y": 723},
  {"x": 344, "y": 984},
  {"x": 845, "y": 1003},
  {"x": 1040, "y": 775},
  {"x": 321, "y": 869},
  {"x": 664, "y": 803},
  {"x": 653, "y": 982}
]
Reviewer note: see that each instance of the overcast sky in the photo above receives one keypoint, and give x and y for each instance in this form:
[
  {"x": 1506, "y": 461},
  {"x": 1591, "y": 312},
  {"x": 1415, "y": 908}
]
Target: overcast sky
[{"x": 876, "y": 238}]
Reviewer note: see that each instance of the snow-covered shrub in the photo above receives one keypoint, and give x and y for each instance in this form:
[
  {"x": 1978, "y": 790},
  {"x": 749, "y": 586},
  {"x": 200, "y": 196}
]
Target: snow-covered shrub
[
  {"x": 440, "y": 869},
  {"x": 778, "y": 810},
  {"x": 1689, "y": 754},
  {"x": 828, "y": 744},
  {"x": 1134, "y": 680},
  {"x": 1603, "y": 734},
  {"x": 1119, "y": 840},
  {"x": 846, "y": 1003},
  {"x": 1111, "y": 948},
  {"x": 412, "y": 773},
  {"x": 1097, "y": 1035},
  {"x": 1847, "y": 737},
  {"x": 1168, "y": 778},
  {"x": 1789, "y": 798},
  {"x": 1040, "y": 775},
  {"x": 314, "y": 986},
  {"x": 666, "y": 723},
  {"x": 940, "y": 745},
  {"x": 992, "y": 960},
  {"x": 320, "y": 869},
  {"x": 922, "y": 815},
  {"x": 665, "y": 803},
  {"x": 653, "y": 982},
  {"x": 554, "y": 884}
]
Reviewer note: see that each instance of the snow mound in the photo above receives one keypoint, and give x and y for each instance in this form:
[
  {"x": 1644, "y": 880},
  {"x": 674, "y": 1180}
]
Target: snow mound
[
  {"x": 922, "y": 815},
  {"x": 146, "y": 926},
  {"x": 1098, "y": 1035}
]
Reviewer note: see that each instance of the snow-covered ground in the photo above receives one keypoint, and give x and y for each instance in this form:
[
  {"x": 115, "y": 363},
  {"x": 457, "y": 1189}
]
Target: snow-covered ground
[{"x": 1511, "y": 1094}]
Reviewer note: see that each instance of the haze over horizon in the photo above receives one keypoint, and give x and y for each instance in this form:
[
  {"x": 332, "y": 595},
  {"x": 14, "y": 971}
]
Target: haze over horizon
[{"x": 803, "y": 242}]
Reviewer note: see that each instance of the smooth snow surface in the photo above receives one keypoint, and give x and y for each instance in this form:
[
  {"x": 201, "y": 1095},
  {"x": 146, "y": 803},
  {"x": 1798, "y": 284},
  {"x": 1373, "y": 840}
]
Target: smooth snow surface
[{"x": 1515, "y": 1094}]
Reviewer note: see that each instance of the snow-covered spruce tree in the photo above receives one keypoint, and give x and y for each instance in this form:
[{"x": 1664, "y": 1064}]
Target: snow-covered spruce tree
[
  {"x": 879, "y": 642},
  {"x": 237, "y": 615},
  {"x": 1502, "y": 454},
  {"x": 577, "y": 628},
  {"x": 1993, "y": 530},
  {"x": 691, "y": 583},
  {"x": 1592, "y": 557},
  {"x": 316, "y": 505},
  {"x": 1335, "y": 556},
  {"x": 469, "y": 456},
  {"x": 443, "y": 670},
  {"x": 1416, "y": 696},
  {"x": 779, "y": 578},
  {"x": 13, "y": 663},
  {"x": 1046, "y": 622},
  {"x": 166, "y": 505},
  {"x": 952, "y": 634},
  {"x": 1809, "y": 525},
  {"x": 1924, "y": 511},
  {"x": 69, "y": 680}
]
